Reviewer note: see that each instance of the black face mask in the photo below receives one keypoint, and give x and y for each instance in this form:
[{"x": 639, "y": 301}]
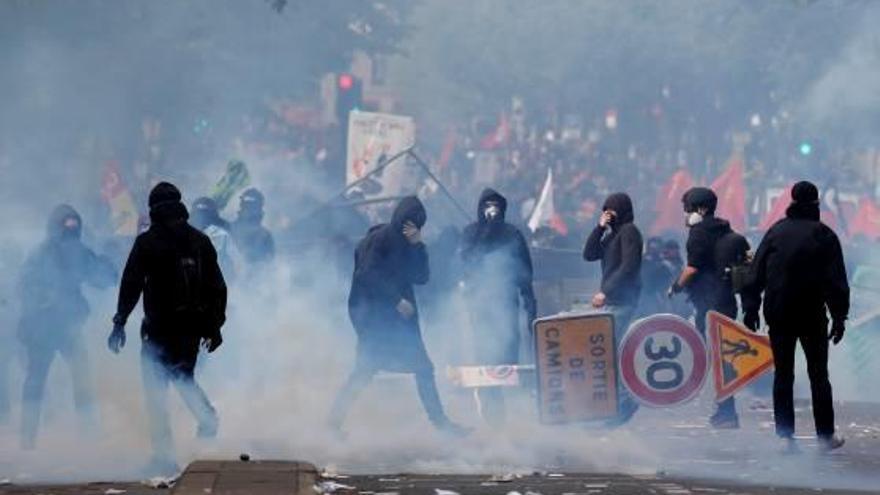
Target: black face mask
[{"x": 70, "y": 233}]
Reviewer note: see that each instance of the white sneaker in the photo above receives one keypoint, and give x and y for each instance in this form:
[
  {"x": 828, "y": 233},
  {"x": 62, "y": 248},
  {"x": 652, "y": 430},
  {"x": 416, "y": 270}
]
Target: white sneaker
[{"x": 833, "y": 442}]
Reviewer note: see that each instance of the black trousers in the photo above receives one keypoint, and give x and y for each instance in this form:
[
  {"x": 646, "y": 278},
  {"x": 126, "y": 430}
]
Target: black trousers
[
  {"x": 39, "y": 361},
  {"x": 814, "y": 341},
  {"x": 363, "y": 374}
]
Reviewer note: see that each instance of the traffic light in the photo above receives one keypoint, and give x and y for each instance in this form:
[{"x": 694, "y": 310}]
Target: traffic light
[
  {"x": 805, "y": 148},
  {"x": 349, "y": 96}
]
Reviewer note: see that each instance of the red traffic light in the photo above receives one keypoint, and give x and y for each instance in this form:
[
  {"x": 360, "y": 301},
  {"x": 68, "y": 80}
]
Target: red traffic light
[{"x": 346, "y": 81}]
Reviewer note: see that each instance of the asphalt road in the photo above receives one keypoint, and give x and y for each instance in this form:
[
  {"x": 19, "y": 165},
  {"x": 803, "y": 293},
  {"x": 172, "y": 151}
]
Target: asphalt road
[{"x": 687, "y": 458}]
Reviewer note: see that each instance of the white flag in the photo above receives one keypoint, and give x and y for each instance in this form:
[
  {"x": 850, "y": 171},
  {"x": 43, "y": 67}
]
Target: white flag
[{"x": 544, "y": 210}]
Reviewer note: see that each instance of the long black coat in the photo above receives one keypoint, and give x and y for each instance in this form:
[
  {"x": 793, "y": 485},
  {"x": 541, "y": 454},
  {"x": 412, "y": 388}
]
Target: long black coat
[
  {"x": 497, "y": 271},
  {"x": 53, "y": 307},
  {"x": 386, "y": 268},
  {"x": 799, "y": 267},
  {"x": 175, "y": 267}
]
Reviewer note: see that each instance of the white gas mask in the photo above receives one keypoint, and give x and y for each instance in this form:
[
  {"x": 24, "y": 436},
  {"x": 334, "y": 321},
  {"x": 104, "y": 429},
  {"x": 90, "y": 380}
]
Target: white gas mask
[
  {"x": 693, "y": 218},
  {"x": 492, "y": 212}
]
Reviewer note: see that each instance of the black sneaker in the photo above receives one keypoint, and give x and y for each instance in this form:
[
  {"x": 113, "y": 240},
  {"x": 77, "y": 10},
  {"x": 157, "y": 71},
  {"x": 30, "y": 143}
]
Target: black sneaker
[{"x": 834, "y": 442}]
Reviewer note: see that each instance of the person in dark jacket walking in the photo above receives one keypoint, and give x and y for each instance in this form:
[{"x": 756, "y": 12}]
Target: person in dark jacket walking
[
  {"x": 799, "y": 268},
  {"x": 53, "y": 311},
  {"x": 254, "y": 241},
  {"x": 175, "y": 267},
  {"x": 711, "y": 245},
  {"x": 617, "y": 243},
  {"x": 497, "y": 273},
  {"x": 383, "y": 311}
]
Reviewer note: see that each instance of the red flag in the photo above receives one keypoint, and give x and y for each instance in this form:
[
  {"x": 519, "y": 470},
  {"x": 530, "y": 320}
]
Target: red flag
[
  {"x": 866, "y": 221},
  {"x": 498, "y": 136},
  {"x": 447, "y": 151},
  {"x": 668, "y": 207},
  {"x": 777, "y": 209},
  {"x": 731, "y": 191}
]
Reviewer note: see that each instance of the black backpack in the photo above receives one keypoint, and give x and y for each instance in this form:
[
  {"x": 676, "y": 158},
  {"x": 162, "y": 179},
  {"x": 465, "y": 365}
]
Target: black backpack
[{"x": 732, "y": 260}]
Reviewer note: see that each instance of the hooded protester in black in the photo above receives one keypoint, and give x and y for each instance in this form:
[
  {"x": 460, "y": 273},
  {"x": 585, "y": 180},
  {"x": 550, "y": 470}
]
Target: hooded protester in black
[
  {"x": 800, "y": 270},
  {"x": 254, "y": 241},
  {"x": 620, "y": 250},
  {"x": 497, "y": 270},
  {"x": 52, "y": 302},
  {"x": 383, "y": 311},
  {"x": 175, "y": 267},
  {"x": 386, "y": 268},
  {"x": 53, "y": 311}
]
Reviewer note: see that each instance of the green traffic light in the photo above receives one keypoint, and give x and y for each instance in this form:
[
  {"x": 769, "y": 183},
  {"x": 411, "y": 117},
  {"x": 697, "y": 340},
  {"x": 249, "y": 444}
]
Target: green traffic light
[{"x": 806, "y": 148}]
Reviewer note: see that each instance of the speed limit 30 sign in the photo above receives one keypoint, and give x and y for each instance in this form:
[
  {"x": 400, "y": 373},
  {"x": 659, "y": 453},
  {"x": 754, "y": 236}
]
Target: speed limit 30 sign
[{"x": 663, "y": 360}]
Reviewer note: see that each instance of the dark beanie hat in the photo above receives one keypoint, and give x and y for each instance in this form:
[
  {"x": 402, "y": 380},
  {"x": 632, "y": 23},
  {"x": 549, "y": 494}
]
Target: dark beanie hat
[
  {"x": 164, "y": 193},
  {"x": 805, "y": 192}
]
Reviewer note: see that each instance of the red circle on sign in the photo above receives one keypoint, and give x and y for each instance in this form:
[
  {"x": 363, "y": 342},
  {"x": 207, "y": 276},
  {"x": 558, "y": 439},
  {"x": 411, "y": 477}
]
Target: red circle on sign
[{"x": 634, "y": 338}]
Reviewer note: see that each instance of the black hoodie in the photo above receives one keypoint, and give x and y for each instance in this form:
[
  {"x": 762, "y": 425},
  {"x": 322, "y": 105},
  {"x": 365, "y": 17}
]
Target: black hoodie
[
  {"x": 497, "y": 268},
  {"x": 50, "y": 285},
  {"x": 175, "y": 267},
  {"x": 706, "y": 290},
  {"x": 800, "y": 269},
  {"x": 386, "y": 268},
  {"x": 620, "y": 250}
]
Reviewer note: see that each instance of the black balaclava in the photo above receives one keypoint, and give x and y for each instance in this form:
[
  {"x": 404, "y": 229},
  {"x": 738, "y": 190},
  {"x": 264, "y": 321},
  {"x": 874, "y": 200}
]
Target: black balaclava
[
  {"x": 250, "y": 207},
  {"x": 165, "y": 205},
  {"x": 205, "y": 214},
  {"x": 804, "y": 202},
  {"x": 654, "y": 248},
  {"x": 499, "y": 212},
  {"x": 65, "y": 224}
]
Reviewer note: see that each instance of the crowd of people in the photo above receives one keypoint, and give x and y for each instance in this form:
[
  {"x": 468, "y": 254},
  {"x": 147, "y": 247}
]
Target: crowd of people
[{"x": 183, "y": 258}]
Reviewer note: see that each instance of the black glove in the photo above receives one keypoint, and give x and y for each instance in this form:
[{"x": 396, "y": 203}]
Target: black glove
[
  {"x": 838, "y": 327},
  {"x": 752, "y": 321},
  {"x": 213, "y": 342},
  {"x": 116, "y": 341}
]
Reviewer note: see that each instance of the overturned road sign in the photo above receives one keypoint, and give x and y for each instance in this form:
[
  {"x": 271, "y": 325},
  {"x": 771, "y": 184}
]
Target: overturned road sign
[
  {"x": 576, "y": 366},
  {"x": 507, "y": 375},
  {"x": 663, "y": 360},
  {"x": 739, "y": 357}
]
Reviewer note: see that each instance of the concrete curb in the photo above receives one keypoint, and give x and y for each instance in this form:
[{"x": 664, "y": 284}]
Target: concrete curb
[{"x": 252, "y": 478}]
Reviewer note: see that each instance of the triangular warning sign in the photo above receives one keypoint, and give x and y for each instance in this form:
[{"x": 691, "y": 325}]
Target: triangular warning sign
[{"x": 739, "y": 356}]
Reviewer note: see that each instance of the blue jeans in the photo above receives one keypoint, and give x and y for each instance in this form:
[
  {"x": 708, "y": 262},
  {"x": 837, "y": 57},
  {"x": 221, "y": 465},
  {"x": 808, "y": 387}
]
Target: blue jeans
[
  {"x": 623, "y": 315},
  {"x": 157, "y": 375}
]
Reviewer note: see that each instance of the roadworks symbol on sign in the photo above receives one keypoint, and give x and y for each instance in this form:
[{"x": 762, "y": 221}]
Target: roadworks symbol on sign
[{"x": 739, "y": 357}]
